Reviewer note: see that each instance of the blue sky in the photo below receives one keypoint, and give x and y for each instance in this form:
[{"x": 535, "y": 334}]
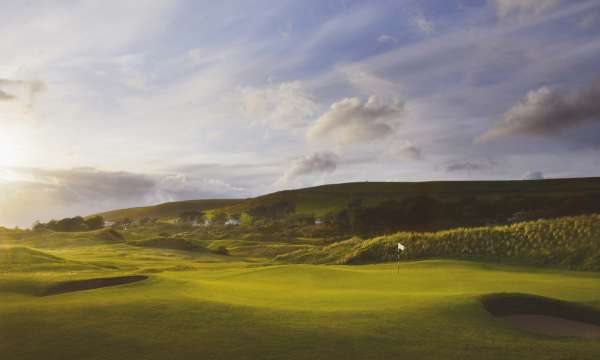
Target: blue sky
[{"x": 107, "y": 104}]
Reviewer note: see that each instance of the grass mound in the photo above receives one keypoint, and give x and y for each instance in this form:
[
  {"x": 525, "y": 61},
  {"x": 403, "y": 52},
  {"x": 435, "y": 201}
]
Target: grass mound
[
  {"x": 88, "y": 284},
  {"x": 505, "y": 304},
  {"x": 333, "y": 253},
  {"x": 569, "y": 242},
  {"x": 57, "y": 239},
  {"x": 23, "y": 256},
  {"x": 109, "y": 236},
  {"x": 169, "y": 243}
]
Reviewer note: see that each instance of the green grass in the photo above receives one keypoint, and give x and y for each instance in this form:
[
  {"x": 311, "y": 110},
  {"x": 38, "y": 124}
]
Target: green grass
[
  {"x": 204, "y": 306},
  {"x": 197, "y": 304}
]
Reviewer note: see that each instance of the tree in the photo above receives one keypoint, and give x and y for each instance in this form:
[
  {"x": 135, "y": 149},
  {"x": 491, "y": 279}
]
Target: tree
[
  {"x": 191, "y": 215},
  {"x": 219, "y": 218},
  {"x": 246, "y": 219},
  {"x": 95, "y": 222}
]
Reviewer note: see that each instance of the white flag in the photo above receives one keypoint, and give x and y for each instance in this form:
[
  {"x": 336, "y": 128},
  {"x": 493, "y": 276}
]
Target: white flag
[{"x": 400, "y": 247}]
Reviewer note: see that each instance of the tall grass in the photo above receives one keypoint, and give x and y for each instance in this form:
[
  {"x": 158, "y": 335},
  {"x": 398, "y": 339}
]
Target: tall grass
[
  {"x": 569, "y": 242},
  {"x": 572, "y": 242}
]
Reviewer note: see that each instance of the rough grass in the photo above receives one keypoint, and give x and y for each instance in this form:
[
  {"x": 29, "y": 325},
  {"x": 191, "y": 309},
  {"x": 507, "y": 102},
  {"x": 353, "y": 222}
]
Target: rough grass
[
  {"x": 169, "y": 243},
  {"x": 570, "y": 242}
]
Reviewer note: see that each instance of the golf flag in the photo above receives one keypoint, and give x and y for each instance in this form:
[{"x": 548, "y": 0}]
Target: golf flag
[{"x": 401, "y": 247}]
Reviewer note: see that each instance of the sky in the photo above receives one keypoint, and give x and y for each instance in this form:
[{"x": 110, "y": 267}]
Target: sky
[{"x": 110, "y": 104}]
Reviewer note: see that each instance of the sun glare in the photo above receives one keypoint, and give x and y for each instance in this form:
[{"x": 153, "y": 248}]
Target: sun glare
[{"x": 12, "y": 148}]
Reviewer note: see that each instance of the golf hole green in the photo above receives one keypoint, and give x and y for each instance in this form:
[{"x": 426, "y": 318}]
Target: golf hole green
[
  {"x": 544, "y": 315},
  {"x": 89, "y": 284}
]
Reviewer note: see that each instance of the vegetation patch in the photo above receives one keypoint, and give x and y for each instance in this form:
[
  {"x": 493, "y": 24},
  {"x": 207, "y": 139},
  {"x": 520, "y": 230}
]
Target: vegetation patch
[
  {"x": 570, "y": 242},
  {"x": 88, "y": 284},
  {"x": 169, "y": 243}
]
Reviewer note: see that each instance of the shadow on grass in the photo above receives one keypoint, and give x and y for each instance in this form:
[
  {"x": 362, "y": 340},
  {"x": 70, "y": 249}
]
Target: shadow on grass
[{"x": 88, "y": 284}]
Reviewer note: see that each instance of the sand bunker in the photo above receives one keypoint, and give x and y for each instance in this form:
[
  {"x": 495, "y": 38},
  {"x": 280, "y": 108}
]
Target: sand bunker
[
  {"x": 545, "y": 316},
  {"x": 88, "y": 284},
  {"x": 554, "y": 326}
]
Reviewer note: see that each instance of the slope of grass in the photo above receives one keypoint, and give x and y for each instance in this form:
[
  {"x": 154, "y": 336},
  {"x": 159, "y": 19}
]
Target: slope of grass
[
  {"x": 21, "y": 255},
  {"x": 169, "y": 243},
  {"x": 166, "y": 210},
  {"x": 426, "y": 310},
  {"x": 54, "y": 239}
]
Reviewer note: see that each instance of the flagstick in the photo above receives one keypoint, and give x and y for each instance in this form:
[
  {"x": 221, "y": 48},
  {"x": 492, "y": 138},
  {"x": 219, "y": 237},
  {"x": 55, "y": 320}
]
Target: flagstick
[{"x": 398, "y": 268}]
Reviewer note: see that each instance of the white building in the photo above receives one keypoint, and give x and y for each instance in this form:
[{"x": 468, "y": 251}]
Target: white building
[{"x": 231, "y": 221}]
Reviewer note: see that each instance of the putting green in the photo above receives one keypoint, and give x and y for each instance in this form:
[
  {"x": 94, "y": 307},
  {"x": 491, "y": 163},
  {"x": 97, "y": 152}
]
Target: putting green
[{"x": 428, "y": 309}]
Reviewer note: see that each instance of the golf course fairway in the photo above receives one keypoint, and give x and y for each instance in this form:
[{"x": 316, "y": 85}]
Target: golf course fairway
[{"x": 248, "y": 310}]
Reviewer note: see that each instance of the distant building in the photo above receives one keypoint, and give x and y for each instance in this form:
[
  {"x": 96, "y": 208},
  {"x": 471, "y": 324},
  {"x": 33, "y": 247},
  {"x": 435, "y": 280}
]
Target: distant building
[
  {"x": 231, "y": 221},
  {"x": 207, "y": 222},
  {"x": 318, "y": 222},
  {"x": 108, "y": 223}
]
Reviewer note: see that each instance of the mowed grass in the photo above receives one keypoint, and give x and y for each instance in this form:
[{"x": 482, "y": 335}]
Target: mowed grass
[{"x": 217, "y": 308}]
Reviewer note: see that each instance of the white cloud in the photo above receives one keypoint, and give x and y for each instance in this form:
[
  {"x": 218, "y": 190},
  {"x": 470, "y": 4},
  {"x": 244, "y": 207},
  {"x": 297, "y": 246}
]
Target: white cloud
[
  {"x": 386, "y": 39},
  {"x": 589, "y": 20},
  {"x": 23, "y": 91},
  {"x": 533, "y": 175},
  {"x": 284, "y": 106},
  {"x": 403, "y": 151},
  {"x": 353, "y": 120},
  {"x": 524, "y": 7},
  {"x": 423, "y": 24}
]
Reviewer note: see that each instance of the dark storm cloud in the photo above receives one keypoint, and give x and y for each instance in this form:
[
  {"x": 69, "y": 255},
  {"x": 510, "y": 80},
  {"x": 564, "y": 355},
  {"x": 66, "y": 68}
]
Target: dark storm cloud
[
  {"x": 548, "y": 112},
  {"x": 468, "y": 166},
  {"x": 317, "y": 163},
  {"x": 533, "y": 175}
]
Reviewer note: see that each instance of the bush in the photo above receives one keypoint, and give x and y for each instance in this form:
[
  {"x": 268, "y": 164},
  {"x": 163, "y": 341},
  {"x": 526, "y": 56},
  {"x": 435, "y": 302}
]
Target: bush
[{"x": 222, "y": 250}]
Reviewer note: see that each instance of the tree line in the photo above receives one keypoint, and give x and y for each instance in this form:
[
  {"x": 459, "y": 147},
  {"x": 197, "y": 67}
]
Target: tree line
[{"x": 76, "y": 223}]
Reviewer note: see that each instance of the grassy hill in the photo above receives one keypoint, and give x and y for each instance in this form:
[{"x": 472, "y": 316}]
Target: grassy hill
[
  {"x": 382, "y": 206},
  {"x": 166, "y": 210},
  {"x": 320, "y": 200}
]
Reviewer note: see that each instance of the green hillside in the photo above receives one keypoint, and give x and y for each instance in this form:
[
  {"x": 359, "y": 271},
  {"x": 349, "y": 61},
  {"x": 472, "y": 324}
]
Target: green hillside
[
  {"x": 166, "y": 210},
  {"x": 320, "y": 200}
]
